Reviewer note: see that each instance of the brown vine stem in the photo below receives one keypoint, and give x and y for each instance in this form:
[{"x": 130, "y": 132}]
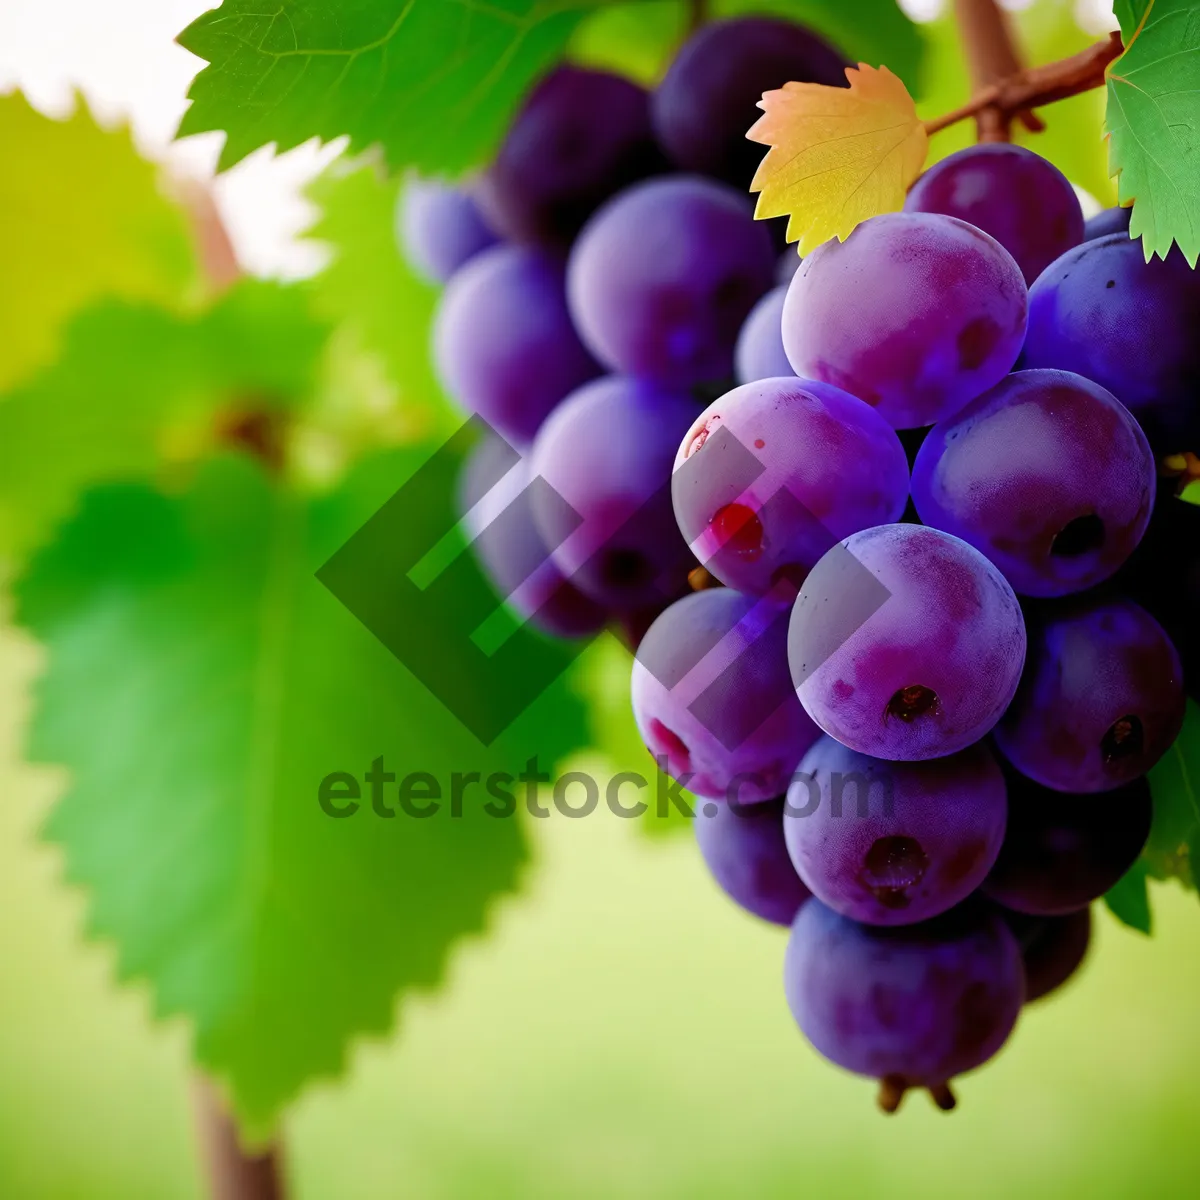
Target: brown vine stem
[
  {"x": 697, "y": 15},
  {"x": 990, "y": 48},
  {"x": 233, "y": 1172},
  {"x": 1035, "y": 86}
]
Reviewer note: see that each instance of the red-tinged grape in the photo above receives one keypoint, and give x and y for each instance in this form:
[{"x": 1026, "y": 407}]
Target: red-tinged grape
[
  {"x": 906, "y": 643},
  {"x": 894, "y": 843},
  {"x": 496, "y": 500},
  {"x": 1023, "y": 201},
  {"x": 773, "y": 473},
  {"x": 709, "y": 96},
  {"x": 1052, "y": 948},
  {"x": 915, "y": 313},
  {"x": 606, "y": 454},
  {"x": 742, "y": 846},
  {"x": 712, "y": 696},
  {"x": 439, "y": 227},
  {"x": 913, "y": 1006},
  {"x": 1047, "y": 474},
  {"x": 759, "y": 352},
  {"x": 580, "y": 138},
  {"x": 1062, "y": 852},
  {"x": 663, "y": 276},
  {"x": 1111, "y": 220},
  {"x": 1101, "y": 700},
  {"x": 504, "y": 343},
  {"x": 1102, "y": 311}
]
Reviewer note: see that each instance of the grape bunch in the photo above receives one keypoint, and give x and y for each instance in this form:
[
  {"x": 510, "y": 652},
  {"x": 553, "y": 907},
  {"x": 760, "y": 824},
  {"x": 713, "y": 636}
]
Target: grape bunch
[{"x": 891, "y": 529}]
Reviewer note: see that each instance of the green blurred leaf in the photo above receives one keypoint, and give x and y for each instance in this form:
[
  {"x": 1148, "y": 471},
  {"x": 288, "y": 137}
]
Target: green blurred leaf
[
  {"x": 1129, "y": 899},
  {"x": 136, "y": 386},
  {"x": 1153, "y": 121},
  {"x": 432, "y": 81},
  {"x": 81, "y": 216},
  {"x": 1175, "y": 785},
  {"x": 369, "y": 287},
  {"x": 201, "y": 684},
  {"x": 636, "y": 38},
  {"x": 877, "y": 32}
]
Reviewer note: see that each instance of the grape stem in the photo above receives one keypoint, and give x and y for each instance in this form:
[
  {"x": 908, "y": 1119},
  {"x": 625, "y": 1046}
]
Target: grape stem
[
  {"x": 234, "y": 1173},
  {"x": 1027, "y": 89},
  {"x": 697, "y": 15},
  {"x": 990, "y": 48}
]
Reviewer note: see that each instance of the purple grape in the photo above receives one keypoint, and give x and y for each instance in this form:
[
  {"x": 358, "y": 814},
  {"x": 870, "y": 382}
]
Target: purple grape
[
  {"x": 709, "y": 96},
  {"x": 504, "y": 343},
  {"x": 1052, "y": 948},
  {"x": 606, "y": 453},
  {"x": 1102, "y": 311},
  {"x": 1017, "y": 474},
  {"x": 1111, "y": 220},
  {"x": 1163, "y": 576},
  {"x": 711, "y": 694},
  {"x": 920, "y": 837},
  {"x": 1062, "y": 852},
  {"x": 759, "y": 353},
  {"x": 915, "y": 313},
  {"x": 743, "y": 847},
  {"x": 1018, "y": 197},
  {"x": 663, "y": 276},
  {"x": 496, "y": 501},
  {"x": 773, "y": 473},
  {"x": 1101, "y": 700},
  {"x": 439, "y": 227},
  {"x": 580, "y": 138},
  {"x": 912, "y": 1006},
  {"x": 906, "y": 643}
]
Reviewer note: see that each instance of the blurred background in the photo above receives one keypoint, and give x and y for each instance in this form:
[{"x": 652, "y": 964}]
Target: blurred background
[{"x": 621, "y": 1029}]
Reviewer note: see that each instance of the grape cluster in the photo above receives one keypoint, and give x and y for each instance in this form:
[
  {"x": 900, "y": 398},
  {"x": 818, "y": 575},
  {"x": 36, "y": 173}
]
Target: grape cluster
[{"x": 913, "y": 606}]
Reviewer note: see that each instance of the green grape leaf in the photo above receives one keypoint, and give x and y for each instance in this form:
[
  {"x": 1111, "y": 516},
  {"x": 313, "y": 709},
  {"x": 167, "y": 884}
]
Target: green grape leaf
[
  {"x": 202, "y": 686},
  {"x": 434, "y": 82},
  {"x": 81, "y": 216},
  {"x": 369, "y": 288},
  {"x": 1129, "y": 899},
  {"x": 1174, "y": 842},
  {"x": 1153, "y": 122},
  {"x": 136, "y": 386}
]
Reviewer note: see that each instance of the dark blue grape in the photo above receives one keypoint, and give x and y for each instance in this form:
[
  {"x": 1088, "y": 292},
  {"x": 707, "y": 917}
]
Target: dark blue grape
[
  {"x": 913, "y": 1006},
  {"x": 440, "y": 227},
  {"x": 709, "y": 96},
  {"x": 744, "y": 850},
  {"x": 1101, "y": 699},
  {"x": 1103, "y": 312},
  {"x": 504, "y": 343},
  {"x": 1062, "y": 852},
  {"x": 663, "y": 276},
  {"x": 580, "y": 138}
]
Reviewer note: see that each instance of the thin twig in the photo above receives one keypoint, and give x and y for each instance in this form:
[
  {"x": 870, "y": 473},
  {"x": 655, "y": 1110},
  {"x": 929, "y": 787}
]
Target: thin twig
[
  {"x": 698, "y": 15},
  {"x": 1036, "y": 86},
  {"x": 234, "y": 1173}
]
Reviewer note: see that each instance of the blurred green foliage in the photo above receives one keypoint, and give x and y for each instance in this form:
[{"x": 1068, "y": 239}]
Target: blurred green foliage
[{"x": 81, "y": 216}]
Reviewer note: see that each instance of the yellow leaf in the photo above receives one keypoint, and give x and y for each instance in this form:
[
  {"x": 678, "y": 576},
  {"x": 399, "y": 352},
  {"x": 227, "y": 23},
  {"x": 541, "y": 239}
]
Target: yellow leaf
[{"x": 837, "y": 155}]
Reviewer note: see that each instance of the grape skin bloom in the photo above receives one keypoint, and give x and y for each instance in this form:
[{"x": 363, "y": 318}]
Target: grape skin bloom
[
  {"x": 914, "y": 313},
  {"x": 926, "y": 673}
]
